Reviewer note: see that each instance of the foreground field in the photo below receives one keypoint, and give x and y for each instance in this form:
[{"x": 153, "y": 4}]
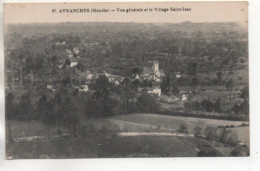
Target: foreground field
[
  {"x": 243, "y": 133},
  {"x": 133, "y": 135},
  {"x": 93, "y": 147},
  {"x": 19, "y": 129},
  {"x": 171, "y": 122}
]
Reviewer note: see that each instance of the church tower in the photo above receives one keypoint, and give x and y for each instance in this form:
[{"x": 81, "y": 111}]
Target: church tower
[{"x": 156, "y": 66}]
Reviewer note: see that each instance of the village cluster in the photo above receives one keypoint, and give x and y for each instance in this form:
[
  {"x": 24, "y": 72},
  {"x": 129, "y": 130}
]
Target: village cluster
[{"x": 153, "y": 74}]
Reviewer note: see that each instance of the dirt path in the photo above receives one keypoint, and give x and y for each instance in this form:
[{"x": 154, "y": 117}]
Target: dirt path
[{"x": 125, "y": 134}]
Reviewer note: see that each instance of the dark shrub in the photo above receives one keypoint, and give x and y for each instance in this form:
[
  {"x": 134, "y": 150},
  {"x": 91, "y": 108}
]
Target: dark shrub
[
  {"x": 147, "y": 103},
  {"x": 183, "y": 128},
  {"x": 198, "y": 129},
  {"x": 210, "y": 133},
  {"x": 207, "y": 153},
  {"x": 240, "y": 151}
]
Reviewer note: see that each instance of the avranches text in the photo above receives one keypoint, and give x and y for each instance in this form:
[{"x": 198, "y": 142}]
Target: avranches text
[{"x": 124, "y": 10}]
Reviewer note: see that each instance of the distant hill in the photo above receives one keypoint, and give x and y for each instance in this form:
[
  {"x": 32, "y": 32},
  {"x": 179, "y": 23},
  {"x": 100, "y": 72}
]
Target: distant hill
[{"x": 68, "y": 27}]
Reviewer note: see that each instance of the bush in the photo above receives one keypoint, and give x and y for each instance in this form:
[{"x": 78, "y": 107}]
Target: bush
[
  {"x": 207, "y": 105},
  {"x": 11, "y": 109},
  {"x": 210, "y": 133},
  {"x": 198, "y": 129},
  {"x": 240, "y": 151},
  {"x": 147, "y": 103},
  {"x": 244, "y": 124},
  {"x": 207, "y": 153},
  {"x": 187, "y": 107},
  {"x": 93, "y": 107},
  {"x": 242, "y": 108},
  {"x": 228, "y": 137},
  {"x": 210, "y": 106},
  {"x": 183, "y": 128},
  {"x": 232, "y": 139}
]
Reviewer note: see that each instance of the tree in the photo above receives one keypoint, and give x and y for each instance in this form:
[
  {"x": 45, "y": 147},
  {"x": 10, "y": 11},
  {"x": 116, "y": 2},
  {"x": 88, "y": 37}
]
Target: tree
[
  {"x": 229, "y": 87},
  {"x": 9, "y": 106},
  {"x": 147, "y": 83},
  {"x": 198, "y": 129},
  {"x": 183, "y": 128},
  {"x": 240, "y": 151},
  {"x": 127, "y": 94},
  {"x": 135, "y": 84},
  {"x": 33, "y": 64},
  {"x": 174, "y": 89},
  {"x": 101, "y": 96},
  {"x": 210, "y": 133},
  {"x": 169, "y": 85},
  {"x": 101, "y": 87},
  {"x": 67, "y": 62},
  {"x": 208, "y": 153},
  {"x": 217, "y": 105},
  {"x": 207, "y": 105},
  {"x": 53, "y": 60},
  {"x": 81, "y": 67},
  {"x": 165, "y": 85},
  {"x": 194, "y": 83},
  {"x": 25, "y": 107},
  {"x": 245, "y": 93},
  {"x": 134, "y": 71},
  {"x": 147, "y": 103},
  {"x": 69, "y": 116},
  {"x": 192, "y": 68},
  {"x": 219, "y": 75}
]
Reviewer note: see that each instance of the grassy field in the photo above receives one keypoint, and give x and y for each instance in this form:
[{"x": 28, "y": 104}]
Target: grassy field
[
  {"x": 18, "y": 129},
  {"x": 172, "y": 122},
  {"x": 93, "y": 147},
  {"x": 125, "y": 123},
  {"x": 242, "y": 132},
  {"x": 100, "y": 143}
]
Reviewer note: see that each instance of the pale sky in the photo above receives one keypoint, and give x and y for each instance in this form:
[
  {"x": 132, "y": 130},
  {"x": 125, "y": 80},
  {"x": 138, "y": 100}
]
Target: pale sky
[{"x": 200, "y": 12}]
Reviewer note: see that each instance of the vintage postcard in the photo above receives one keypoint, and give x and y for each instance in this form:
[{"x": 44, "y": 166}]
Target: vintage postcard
[{"x": 126, "y": 79}]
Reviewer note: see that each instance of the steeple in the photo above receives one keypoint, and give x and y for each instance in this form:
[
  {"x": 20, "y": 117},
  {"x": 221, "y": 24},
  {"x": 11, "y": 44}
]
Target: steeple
[{"x": 155, "y": 66}]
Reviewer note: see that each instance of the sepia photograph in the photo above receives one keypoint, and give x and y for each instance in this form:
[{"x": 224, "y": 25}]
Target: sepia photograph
[{"x": 126, "y": 80}]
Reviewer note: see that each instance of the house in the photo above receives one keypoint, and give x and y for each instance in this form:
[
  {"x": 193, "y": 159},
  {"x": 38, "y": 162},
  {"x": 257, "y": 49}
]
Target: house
[
  {"x": 49, "y": 86},
  {"x": 76, "y": 50},
  {"x": 178, "y": 75},
  {"x": 106, "y": 74},
  {"x": 60, "y": 66},
  {"x": 68, "y": 51},
  {"x": 184, "y": 97},
  {"x": 84, "y": 88},
  {"x": 115, "y": 79},
  {"x": 155, "y": 90},
  {"x": 58, "y": 43},
  {"x": 89, "y": 75},
  {"x": 73, "y": 64},
  {"x": 70, "y": 55},
  {"x": 137, "y": 77}
]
